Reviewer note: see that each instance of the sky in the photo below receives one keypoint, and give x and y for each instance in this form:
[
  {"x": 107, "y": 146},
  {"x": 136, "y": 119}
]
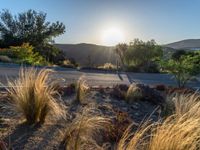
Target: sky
[{"x": 107, "y": 22}]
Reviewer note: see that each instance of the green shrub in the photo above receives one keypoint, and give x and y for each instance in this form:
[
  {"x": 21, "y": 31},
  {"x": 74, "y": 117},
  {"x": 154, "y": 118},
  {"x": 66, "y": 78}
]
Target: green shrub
[{"x": 25, "y": 54}]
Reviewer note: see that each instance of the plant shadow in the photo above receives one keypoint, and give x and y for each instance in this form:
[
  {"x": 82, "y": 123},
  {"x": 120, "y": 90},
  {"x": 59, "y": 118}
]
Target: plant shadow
[{"x": 20, "y": 135}]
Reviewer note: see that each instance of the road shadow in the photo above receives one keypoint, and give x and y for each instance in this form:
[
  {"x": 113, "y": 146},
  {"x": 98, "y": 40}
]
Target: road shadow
[{"x": 119, "y": 75}]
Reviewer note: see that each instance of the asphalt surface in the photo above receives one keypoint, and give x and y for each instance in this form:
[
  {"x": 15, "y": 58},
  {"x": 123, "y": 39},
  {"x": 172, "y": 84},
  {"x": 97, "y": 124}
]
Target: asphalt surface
[{"x": 96, "y": 78}]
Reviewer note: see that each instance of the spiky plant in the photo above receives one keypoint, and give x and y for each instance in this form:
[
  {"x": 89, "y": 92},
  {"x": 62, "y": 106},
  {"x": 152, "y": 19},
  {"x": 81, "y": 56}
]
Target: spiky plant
[
  {"x": 33, "y": 95},
  {"x": 81, "y": 90},
  {"x": 179, "y": 131},
  {"x": 81, "y": 133},
  {"x": 134, "y": 93}
]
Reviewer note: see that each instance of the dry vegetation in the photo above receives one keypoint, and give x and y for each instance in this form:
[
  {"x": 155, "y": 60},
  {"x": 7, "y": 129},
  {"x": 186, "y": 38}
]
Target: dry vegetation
[
  {"x": 90, "y": 126},
  {"x": 34, "y": 96},
  {"x": 180, "y": 131}
]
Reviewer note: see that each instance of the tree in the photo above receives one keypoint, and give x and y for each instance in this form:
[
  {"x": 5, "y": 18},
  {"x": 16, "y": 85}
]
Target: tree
[
  {"x": 184, "y": 68},
  {"x": 28, "y": 27},
  {"x": 121, "y": 50},
  {"x": 177, "y": 54},
  {"x": 139, "y": 54}
]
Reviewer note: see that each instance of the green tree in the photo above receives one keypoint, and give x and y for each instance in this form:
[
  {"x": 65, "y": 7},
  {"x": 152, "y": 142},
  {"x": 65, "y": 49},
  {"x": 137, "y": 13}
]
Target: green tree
[
  {"x": 184, "y": 68},
  {"x": 121, "y": 50},
  {"x": 139, "y": 54},
  {"x": 28, "y": 27}
]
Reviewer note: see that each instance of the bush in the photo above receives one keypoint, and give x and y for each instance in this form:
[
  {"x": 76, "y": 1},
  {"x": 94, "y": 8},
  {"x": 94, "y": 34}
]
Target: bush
[
  {"x": 67, "y": 63},
  {"x": 145, "y": 93},
  {"x": 133, "y": 94},
  {"x": 108, "y": 66},
  {"x": 25, "y": 54},
  {"x": 33, "y": 96},
  {"x": 5, "y": 59}
]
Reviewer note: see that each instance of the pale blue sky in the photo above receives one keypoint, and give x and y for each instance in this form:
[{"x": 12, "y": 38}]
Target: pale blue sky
[{"x": 164, "y": 20}]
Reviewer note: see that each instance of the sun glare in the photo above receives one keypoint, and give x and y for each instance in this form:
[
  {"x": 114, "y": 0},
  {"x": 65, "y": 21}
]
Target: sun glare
[{"x": 112, "y": 36}]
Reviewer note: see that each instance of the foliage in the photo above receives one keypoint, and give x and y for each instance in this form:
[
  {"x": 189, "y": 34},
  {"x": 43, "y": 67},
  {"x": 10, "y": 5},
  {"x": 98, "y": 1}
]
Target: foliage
[
  {"x": 177, "y": 55},
  {"x": 33, "y": 96},
  {"x": 25, "y": 54},
  {"x": 29, "y": 27},
  {"x": 139, "y": 54},
  {"x": 121, "y": 50},
  {"x": 183, "y": 68}
]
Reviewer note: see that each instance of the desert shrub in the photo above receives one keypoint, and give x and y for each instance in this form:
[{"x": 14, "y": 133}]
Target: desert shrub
[
  {"x": 181, "y": 104},
  {"x": 82, "y": 132},
  {"x": 179, "y": 131},
  {"x": 82, "y": 90},
  {"x": 33, "y": 95},
  {"x": 5, "y": 59},
  {"x": 134, "y": 93},
  {"x": 68, "y": 64},
  {"x": 108, "y": 66},
  {"x": 145, "y": 93}
]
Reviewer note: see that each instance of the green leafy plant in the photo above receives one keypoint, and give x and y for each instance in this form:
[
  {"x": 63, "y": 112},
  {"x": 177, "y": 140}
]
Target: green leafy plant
[
  {"x": 25, "y": 54},
  {"x": 184, "y": 69}
]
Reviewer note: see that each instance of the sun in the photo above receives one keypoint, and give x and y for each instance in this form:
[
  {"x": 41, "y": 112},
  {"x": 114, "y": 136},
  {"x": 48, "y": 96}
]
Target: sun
[{"x": 112, "y": 36}]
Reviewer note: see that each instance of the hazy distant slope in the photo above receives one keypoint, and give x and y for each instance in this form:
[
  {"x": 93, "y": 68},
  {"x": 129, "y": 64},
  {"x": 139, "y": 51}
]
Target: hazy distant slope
[
  {"x": 185, "y": 44},
  {"x": 81, "y": 52}
]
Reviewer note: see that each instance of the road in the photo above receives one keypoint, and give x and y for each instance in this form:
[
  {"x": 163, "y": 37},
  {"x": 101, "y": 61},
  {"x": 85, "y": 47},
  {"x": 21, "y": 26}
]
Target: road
[{"x": 96, "y": 78}]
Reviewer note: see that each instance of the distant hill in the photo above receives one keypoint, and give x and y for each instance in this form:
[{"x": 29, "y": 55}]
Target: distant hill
[
  {"x": 97, "y": 55},
  {"x": 89, "y": 53},
  {"x": 189, "y": 44}
]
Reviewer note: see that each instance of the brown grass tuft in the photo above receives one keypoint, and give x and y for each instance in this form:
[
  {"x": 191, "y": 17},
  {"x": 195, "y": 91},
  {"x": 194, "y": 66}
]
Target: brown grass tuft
[
  {"x": 33, "y": 95},
  {"x": 134, "y": 93},
  {"x": 180, "y": 131},
  {"x": 82, "y": 89},
  {"x": 83, "y": 132}
]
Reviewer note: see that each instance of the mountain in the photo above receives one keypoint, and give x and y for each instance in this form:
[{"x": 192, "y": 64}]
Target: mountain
[
  {"x": 85, "y": 54},
  {"x": 189, "y": 44}
]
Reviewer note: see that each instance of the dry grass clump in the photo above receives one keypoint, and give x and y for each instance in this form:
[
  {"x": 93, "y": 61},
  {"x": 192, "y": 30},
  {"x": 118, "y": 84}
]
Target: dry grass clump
[
  {"x": 82, "y": 89},
  {"x": 84, "y": 131},
  {"x": 33, "y": 95},
  {"x": 5, "y": 59},
  {"x": 179, "y": 131},
  {"x": 108, "y": 66},
  {"x": 134, "y": 93}
]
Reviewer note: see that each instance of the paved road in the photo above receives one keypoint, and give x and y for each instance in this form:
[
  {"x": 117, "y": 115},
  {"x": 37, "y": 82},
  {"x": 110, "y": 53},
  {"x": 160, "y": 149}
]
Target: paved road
[{"x": 96, "y": 78}]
